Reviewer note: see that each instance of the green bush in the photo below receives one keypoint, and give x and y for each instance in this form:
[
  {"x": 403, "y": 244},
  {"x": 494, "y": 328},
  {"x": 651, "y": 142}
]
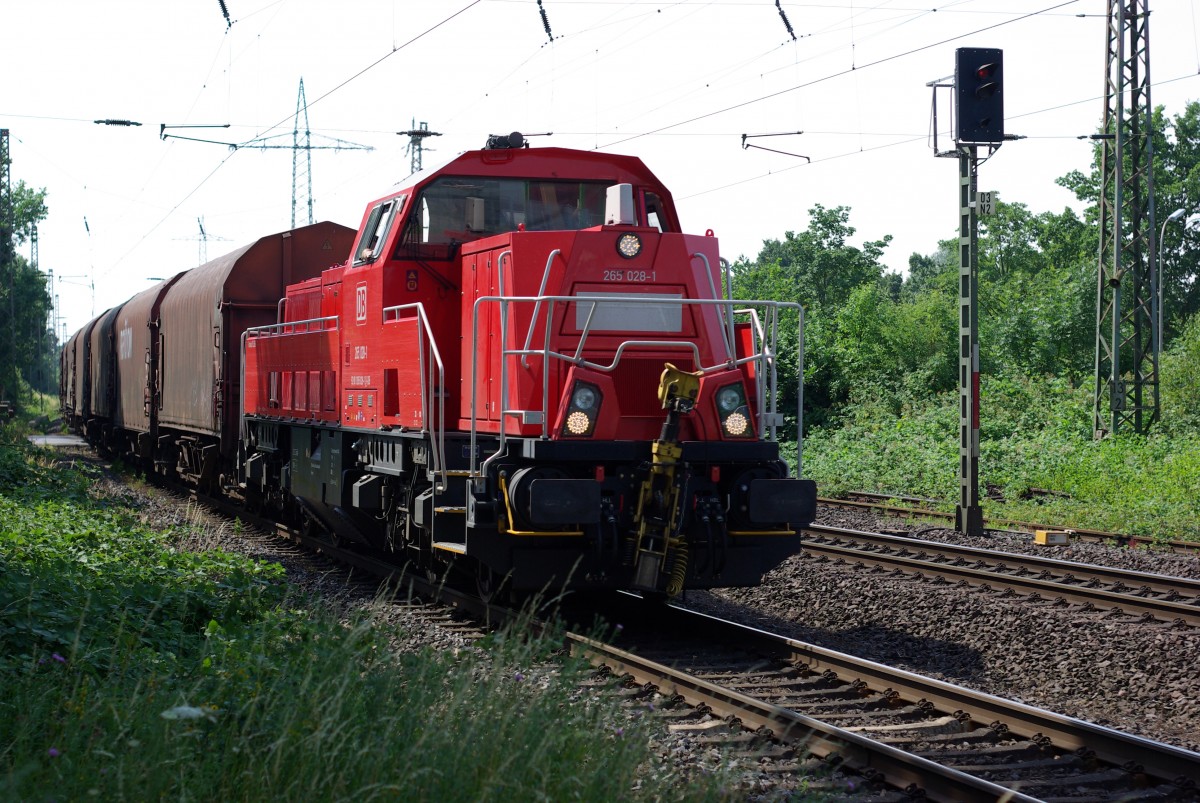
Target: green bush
[
  {"x": 1180, "y": 369},
  {"x": 1035, "y": 435}
]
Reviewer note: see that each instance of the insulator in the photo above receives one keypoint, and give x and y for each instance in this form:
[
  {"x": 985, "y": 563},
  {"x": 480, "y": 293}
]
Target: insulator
[
  {"x": 546, "y": 21},
  {"x": 782, "y": 16}
]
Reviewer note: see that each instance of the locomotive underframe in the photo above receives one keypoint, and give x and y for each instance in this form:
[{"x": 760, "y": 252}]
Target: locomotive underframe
[{"x": 546, "y": 513}]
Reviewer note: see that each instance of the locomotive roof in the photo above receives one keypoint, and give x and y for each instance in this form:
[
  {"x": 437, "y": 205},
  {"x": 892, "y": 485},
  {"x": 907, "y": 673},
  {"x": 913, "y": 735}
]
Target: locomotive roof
[{"x": 556, "y": 163}]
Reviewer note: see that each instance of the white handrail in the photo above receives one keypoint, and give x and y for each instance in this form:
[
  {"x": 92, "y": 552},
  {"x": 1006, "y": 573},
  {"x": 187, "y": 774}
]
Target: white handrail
[
  {"x": 727, "y": 328},
  {"x": 767, "y": 338},
  {"x": 538, "y": 306},
  {"x": 291, "y": 327},
  {"x": 429, "y": 389}
]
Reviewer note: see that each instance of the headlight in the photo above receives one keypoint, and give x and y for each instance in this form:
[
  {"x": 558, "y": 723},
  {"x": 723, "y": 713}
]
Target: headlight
[
  {"x": 733, "y": 411},
  {"x": 736, "y": 424},
  {"x": 729, "y": 398},
  {"x": 578, "y": 423},
  {"x": 582, "y": 410},
  {"x": 629, "y": 245},
  {"x": 584, "y": 398}
]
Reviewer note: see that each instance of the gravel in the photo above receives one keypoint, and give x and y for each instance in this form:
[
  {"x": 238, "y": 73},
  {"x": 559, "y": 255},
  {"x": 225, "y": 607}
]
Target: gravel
[{"x": 1116, "y": 672}]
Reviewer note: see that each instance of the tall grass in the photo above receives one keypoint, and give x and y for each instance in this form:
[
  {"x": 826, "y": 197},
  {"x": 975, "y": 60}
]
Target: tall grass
[
  {"x": 134, "y": 670},
  {"x": 331, "y": 715},
  {"x": 1035, "y": 435}
]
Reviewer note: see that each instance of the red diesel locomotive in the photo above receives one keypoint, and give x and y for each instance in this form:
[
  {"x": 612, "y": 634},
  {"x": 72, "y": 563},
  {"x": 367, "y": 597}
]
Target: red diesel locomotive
[{"x": 524, "y": 371}]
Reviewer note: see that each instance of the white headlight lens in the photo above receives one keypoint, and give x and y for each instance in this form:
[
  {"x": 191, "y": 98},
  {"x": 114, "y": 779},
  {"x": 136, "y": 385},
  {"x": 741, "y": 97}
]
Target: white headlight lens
[
  {"x": 584, "y": 398},
  {"x": 736, "y": 424},
  {"x": 729, "y": 398}
]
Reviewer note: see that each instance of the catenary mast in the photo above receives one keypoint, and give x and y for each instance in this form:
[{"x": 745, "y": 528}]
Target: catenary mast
[{"x": 1127, "y": 339}]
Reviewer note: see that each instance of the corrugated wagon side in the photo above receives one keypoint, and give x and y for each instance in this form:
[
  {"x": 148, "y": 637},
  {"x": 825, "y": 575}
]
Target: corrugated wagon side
[
  {"x": 102, "y": 367},
  {"x": 202, "y": 318}
]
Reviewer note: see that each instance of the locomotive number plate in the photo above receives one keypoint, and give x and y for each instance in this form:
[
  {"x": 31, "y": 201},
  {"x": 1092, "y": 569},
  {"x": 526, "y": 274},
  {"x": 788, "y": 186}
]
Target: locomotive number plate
[{"x": 628, "y": 275}]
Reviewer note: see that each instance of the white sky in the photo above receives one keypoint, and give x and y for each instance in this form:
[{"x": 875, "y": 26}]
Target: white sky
[{"x": 676, "y": 83}]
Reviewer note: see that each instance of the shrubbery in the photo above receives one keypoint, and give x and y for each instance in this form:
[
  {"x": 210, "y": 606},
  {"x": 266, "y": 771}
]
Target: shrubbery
[{"x": 1034, "y": 436}]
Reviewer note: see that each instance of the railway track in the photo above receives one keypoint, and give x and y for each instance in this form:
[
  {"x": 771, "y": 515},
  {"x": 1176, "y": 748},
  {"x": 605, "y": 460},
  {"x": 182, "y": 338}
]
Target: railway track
[
  {"x": 919, "y": 508},
  {"x": 1175, "y": 600},
  {"x": 816, "y": 714},
  {"x": 829, "y": 721},
  {"x": 911, "y": 734}
]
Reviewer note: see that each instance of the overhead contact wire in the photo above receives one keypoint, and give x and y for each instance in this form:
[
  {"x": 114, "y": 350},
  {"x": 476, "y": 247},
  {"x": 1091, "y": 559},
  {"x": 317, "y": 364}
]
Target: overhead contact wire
[{"x": 831, "y": 76}]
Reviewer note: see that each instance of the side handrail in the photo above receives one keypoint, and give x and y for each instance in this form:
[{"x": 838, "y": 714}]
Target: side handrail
[
  {"x": 429, "y": 389},
  {"x": 727, "y": 310},
  {"x": 537, "y": 307},
  {"x": 293, "y": 327},
  {"x": 767, "y": 357}
]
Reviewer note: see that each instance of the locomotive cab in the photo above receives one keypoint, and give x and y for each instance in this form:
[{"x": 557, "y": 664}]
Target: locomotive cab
[{"x": 588, "y": 337}]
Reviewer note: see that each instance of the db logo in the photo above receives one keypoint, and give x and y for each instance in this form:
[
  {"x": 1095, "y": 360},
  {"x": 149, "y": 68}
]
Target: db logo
[{"x": 360, "y": 303}]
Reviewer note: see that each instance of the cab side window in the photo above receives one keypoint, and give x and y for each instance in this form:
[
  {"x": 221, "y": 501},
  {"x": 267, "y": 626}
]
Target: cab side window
[
  {"x": 655, "y": 216},
  {"x": 375, "y": 233}
]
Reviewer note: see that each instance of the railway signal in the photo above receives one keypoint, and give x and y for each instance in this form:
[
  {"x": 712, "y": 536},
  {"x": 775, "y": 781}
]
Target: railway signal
[
  {"x": 979, "y": 94},
  {"x": 979, "y": 120}
]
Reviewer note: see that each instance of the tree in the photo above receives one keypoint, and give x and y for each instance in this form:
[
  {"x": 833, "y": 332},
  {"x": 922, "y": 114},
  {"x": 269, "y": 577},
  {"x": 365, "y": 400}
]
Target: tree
[
  {"x": 1037, "y": 292},
  {"x": 886, "y": 347},
  {"x": 820, "y": 270},
  {"x": 817, "y": 264},
  {"x": 1176, "y": 186},
  {"x": 1181, "y": 379},
  {"x": 24, "y": 300}
]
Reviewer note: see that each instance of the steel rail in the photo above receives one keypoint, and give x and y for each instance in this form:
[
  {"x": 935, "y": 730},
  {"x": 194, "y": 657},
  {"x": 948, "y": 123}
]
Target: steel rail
[
  {"x": 997, "y": 579},
  {"x": 900, "y": 768},
  {"x": 1162, "y": 761},
  {"x": 1161, "y": 583},
  {"x": 1010, "y": 525}
]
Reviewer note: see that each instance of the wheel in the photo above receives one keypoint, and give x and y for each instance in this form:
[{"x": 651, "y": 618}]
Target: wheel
[{"x": 489, "y": 585}]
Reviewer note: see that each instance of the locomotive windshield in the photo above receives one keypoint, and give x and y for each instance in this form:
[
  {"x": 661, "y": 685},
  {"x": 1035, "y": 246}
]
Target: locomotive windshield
[{"x": 457, "y": 209}]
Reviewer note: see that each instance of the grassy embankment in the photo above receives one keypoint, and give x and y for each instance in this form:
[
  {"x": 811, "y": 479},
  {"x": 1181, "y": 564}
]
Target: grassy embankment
[
  {"x": 135, "y": 670},
  {"x": 1033, "y": 437}
]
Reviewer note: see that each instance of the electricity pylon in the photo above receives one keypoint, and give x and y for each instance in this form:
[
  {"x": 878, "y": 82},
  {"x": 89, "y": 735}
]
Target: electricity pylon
[
  {"x": 1127, "y": 347},
  {"x": 203, "y": 237},
  {"x": 302, "y": 165},
  {"x": 416, "y": 143}
]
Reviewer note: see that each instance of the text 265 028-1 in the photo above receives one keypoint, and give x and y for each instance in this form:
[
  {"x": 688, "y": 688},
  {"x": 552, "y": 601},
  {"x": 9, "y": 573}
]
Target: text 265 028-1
[{"x": 628, "y": 275}]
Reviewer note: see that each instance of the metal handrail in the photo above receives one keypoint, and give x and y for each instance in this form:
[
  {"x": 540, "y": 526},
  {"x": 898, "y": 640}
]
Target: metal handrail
[
  {"x": 538, "y": 306},
  {"x": 765, "y": 356},
  {"x": 428, "y": 388},
  {"x": 727, "y": 311},
  {"x": 291, "y": 327}
]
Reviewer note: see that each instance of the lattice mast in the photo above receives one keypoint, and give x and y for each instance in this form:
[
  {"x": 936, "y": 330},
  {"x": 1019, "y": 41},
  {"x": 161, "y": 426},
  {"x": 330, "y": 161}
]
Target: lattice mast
[
  {"x": 301, "y": 166},
  {"x": 416, "y": 143},
  {"x": 1127, "y": 339}
]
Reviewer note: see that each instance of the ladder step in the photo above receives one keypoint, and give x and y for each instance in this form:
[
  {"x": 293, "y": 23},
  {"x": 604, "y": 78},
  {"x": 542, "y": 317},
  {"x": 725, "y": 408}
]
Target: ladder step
[
  {"x": 451, "y": 546},
  {"x": 451, "y": 509}
]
